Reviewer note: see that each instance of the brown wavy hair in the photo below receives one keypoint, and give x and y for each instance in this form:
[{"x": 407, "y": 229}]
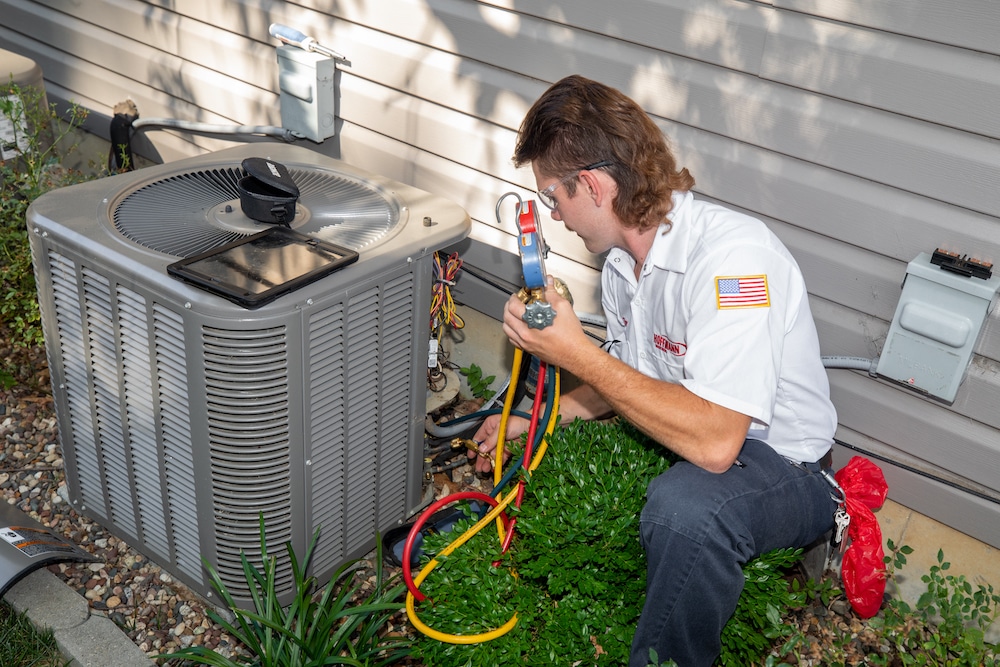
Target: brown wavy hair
[{"x": 578, "y": 122}]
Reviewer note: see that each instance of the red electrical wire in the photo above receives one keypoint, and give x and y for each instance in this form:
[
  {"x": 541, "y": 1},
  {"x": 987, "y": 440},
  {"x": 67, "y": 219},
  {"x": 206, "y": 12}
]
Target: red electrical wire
[{"x": 442, "y": 306}]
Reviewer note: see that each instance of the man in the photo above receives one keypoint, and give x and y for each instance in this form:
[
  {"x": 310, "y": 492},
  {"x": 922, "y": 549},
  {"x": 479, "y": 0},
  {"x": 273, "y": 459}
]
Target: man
[{"x": 711, "y": 350}]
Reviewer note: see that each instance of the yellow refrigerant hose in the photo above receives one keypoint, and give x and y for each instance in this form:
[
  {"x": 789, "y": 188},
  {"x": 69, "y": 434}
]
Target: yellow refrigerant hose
[{"x": 495, "y": 514}]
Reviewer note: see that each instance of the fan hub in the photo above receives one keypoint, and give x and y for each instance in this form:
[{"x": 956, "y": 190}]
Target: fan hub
[{"x": 230, "y": 216}]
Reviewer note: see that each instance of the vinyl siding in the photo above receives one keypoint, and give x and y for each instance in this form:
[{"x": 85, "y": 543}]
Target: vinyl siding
[{"x": 862, "y": 133}]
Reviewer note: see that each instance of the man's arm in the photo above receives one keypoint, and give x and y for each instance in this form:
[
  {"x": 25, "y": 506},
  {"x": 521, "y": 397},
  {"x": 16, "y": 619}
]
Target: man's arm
[{"x": 704, "y": 433}]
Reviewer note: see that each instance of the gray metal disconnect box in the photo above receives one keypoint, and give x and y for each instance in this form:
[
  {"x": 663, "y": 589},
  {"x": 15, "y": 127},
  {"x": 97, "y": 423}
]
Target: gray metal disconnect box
[
  {"x": 307, "y": 95},
  {"x": 937, "y": 323}
]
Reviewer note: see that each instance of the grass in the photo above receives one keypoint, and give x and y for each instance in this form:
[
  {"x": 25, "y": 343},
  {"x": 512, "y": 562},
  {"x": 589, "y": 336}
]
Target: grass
[{"x": 24, "y": 645}]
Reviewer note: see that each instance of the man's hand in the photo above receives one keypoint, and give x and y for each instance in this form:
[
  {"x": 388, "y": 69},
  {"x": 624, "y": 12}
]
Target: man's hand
[
  {"x": 553, "y": 344},
  {"x": 706, "y": 434},
  {"x": 487, "y": 436}
]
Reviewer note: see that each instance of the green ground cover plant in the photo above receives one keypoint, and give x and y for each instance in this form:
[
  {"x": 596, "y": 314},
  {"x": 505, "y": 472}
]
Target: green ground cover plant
[{"x": 575, "y": 574}]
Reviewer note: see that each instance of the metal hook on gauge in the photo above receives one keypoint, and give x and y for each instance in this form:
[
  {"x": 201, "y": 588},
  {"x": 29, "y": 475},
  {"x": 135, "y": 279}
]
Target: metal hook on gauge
[{"x": 520, "y": 205}]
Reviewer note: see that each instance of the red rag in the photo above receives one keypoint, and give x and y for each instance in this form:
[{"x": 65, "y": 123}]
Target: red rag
[{"x": 863, "y": 568}]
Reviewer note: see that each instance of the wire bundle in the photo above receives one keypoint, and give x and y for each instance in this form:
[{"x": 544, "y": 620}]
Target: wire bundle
[
  {"x": 443, "y": 312},
  {"x": 505, "y": 526}
]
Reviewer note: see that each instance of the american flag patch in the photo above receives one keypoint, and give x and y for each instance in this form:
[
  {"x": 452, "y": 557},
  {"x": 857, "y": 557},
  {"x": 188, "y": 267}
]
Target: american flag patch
[{"x": 741, "y": 292}]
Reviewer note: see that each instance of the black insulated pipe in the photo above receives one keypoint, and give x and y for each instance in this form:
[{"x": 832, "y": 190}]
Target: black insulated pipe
[{"x": 120, "y": 157}]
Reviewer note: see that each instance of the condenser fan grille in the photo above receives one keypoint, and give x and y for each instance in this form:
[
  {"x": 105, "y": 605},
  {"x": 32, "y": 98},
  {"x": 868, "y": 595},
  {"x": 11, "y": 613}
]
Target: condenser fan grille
[{"x": 189, "y": 213}]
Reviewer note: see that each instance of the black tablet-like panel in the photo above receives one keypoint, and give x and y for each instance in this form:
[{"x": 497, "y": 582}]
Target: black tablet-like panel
[{"x": 257, "y": 269}]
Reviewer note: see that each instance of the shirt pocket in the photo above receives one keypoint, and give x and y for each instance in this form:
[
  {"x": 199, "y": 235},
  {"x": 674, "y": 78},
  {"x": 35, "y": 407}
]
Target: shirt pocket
[{"x": 665, "y": 357}]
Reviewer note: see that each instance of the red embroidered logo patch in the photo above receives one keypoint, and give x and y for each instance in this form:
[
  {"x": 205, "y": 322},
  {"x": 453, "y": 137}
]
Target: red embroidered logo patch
[{"x": 667, "y": 345}]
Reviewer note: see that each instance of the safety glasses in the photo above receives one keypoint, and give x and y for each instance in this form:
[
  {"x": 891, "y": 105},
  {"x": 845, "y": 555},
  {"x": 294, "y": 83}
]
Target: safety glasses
[{"x": 547, "y": 196}]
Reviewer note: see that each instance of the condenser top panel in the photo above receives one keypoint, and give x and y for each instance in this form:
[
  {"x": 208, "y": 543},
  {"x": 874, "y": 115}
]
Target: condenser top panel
[{"x": 194, "y": 211}]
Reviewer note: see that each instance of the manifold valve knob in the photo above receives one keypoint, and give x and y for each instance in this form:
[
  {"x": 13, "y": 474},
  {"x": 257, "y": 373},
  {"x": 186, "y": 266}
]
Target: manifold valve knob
[{"x": 538, "y": 314}]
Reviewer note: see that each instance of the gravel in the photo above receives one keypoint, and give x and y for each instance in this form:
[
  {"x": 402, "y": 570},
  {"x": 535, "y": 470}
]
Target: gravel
[{"x": 158, "y": 613}]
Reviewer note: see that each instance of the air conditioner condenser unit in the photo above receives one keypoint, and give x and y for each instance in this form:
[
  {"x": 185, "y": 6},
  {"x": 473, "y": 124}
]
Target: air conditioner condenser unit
[{"x": 184, "y": 417}]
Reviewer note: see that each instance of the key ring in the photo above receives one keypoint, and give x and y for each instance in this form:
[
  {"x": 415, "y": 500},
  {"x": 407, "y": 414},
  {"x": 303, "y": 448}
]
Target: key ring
[{"x": 832, "y": 481}]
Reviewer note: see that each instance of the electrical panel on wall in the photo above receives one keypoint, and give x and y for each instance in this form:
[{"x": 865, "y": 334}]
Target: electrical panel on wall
[{"x": 945, "y": 301}]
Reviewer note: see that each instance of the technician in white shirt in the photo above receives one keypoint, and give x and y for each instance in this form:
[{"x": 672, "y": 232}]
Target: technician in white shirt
[{"x": 711, "y": 351}]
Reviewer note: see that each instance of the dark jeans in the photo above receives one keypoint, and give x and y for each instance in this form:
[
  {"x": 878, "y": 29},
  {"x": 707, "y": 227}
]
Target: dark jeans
[{"x": 700, "y": 528}]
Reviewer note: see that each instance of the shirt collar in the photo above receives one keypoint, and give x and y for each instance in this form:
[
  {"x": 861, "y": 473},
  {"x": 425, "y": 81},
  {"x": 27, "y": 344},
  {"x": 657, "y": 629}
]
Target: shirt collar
[{"x": 669, "y": 249}]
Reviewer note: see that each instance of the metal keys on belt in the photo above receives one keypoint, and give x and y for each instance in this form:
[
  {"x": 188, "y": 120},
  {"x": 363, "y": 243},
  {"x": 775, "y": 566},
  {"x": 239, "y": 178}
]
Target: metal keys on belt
[{"x": 841, "y": 520}]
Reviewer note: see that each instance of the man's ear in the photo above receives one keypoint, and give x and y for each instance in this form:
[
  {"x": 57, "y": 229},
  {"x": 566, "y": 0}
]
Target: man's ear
[{"x": 599, "y": 187}]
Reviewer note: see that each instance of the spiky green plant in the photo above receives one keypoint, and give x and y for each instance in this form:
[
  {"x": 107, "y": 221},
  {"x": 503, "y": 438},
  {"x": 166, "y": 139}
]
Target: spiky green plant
[{"x": 340, "y": 626}]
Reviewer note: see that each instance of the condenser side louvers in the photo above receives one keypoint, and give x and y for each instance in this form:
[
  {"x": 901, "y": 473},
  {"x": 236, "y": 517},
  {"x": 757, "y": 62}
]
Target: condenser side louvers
[{"x": 184, "y": 418}]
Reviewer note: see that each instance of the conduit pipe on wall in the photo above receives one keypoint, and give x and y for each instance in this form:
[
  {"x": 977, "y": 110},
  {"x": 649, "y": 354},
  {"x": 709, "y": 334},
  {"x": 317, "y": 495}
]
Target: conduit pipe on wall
[
  {"x": 852, "y": 363},
  {"x": 209, "y": 128}
]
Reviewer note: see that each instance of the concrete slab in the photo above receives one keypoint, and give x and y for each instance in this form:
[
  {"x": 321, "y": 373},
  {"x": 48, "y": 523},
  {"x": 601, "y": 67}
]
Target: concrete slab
[
  {"x": 100, "y": 643},
  {"x": 48, "y": 601},
  {"x": 979, "y": 563},
  {"x": 86, "y": 639}
]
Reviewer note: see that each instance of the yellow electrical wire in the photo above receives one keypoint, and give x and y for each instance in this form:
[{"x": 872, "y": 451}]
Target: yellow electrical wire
[
  {"x": 492, "y": 515},
  {"x": 508, "y": 406},
  {"x": 411, "y": 610},
  {"x": 443, "y": 311}
]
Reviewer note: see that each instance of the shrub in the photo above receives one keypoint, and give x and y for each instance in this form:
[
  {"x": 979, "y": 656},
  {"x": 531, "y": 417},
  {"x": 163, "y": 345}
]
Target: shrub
[
  {"x": 575, "y": 573},
  {"x": 38, "y": 135}
]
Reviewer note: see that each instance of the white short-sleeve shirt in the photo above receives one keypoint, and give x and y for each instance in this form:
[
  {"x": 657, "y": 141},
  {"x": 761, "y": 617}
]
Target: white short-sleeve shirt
[{"x": 720, "y": 307}]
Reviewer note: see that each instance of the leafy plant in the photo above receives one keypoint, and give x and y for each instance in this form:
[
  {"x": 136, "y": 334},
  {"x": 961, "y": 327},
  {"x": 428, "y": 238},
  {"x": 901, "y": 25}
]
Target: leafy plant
[
  {"x": 948, "y": 624},
  {"x": 571, "y": 572},
  {"x": 478, "y": 385},
  {"x": 767, "y": 596},
  {"x": 38, "y": 134},
  {"x": 654, "y": 660},
  {"x": 946, "y": 627},
  {"x": 575, "y": 574},
  {"x": 335, "y": 628}
]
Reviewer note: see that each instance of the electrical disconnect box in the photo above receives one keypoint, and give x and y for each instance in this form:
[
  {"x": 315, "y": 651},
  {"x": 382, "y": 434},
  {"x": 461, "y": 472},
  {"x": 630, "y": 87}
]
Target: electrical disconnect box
[
  {"x": 306, "y": 87},
  {"x": 945, "y": 301}
]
